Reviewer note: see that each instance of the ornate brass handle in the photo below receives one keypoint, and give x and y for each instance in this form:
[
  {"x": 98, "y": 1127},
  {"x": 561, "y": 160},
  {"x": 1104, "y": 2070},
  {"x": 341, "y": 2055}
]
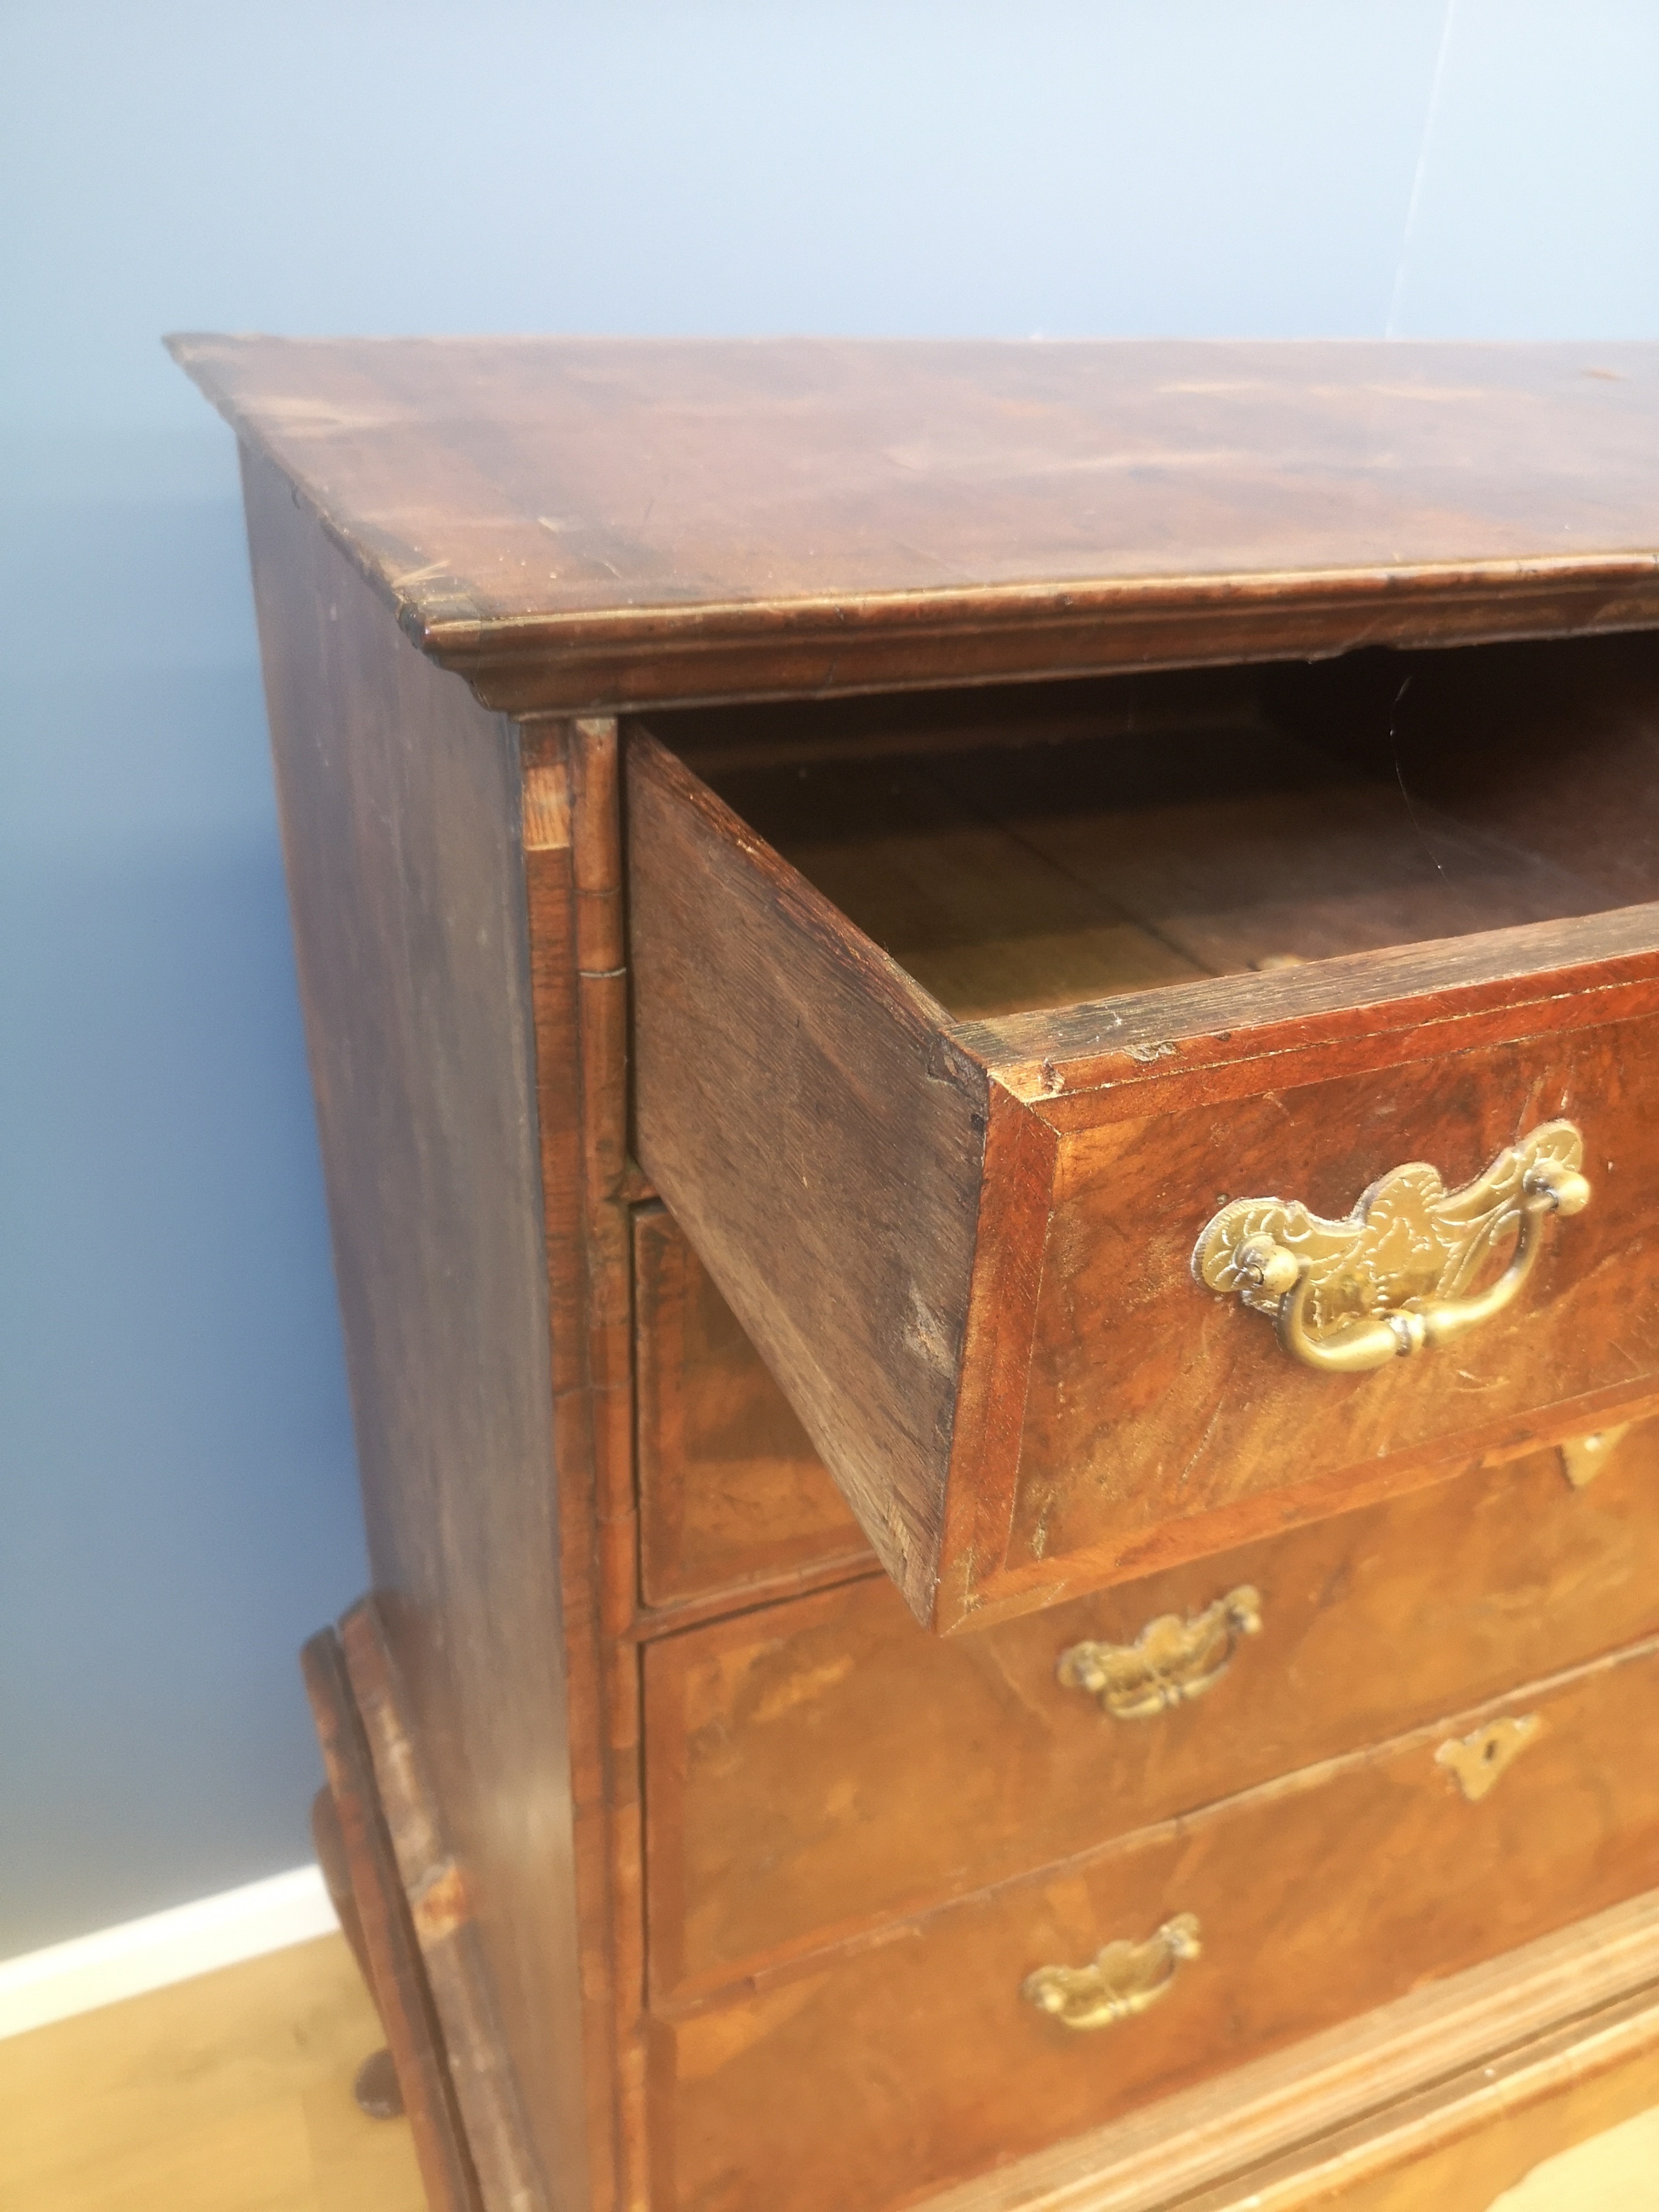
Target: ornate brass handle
[
  {"x": 1124, "y": 1979},
  {"x": 1170, "y": 1662},
  {"x": 1349, "y": 1296}
]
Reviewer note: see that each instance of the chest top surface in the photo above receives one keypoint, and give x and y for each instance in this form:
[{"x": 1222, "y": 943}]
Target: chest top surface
[{"x": 768, "y": 516}]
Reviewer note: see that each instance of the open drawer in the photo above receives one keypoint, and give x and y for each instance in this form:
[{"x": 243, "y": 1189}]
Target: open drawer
[{"x": 1032, "y": 1071}]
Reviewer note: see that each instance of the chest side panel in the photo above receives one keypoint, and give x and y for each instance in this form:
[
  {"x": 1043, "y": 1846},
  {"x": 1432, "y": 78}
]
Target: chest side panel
[{"x": 399, "y": 804}]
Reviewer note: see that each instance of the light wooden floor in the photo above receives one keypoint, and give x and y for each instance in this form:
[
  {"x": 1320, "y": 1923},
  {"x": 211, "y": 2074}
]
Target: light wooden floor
[
  {"x": 228, "y": 2094},
  {"x": 233, "y": 2094},
  {"x": 1617, "y": 2172}
]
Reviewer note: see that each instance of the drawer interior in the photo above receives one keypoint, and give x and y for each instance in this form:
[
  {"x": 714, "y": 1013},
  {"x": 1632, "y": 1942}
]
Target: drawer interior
[
  {"x": 1018, "y": 850},
  {"x": 952, "y": 1195}
]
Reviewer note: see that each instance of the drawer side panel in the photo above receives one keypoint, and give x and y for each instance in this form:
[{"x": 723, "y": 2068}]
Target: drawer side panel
[
  {"x": 399, "y": 798},
  {"x": 800, "y": 1109}
]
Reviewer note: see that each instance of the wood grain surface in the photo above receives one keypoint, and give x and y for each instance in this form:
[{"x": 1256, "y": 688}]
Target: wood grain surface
[
  {"x": 1097, "y": 853},
  {"x": 951, "y": 1017},
  {"x": 798, "y": 1105},
  {"x": 585, "y": 523},
  {"x": 1412, "y": 984},
  {"x": 486, "y": 2090},
  {"x": 402, "y": 1992},
  {"x": 602, "y": 1257},
  {"x": 231, "y": 2092},
  {"x": 819, "y": 1768},
  {"x": 951, "y": 884},
  {"x": 400, "y": 809},
  {"x": 731, "y": 1494},
  {"x": 1339, "y": 1890},
  {"x": 1552, "y": 747},
  {"x": 1153, "y": 1400},
  {"x": 550, "y": 898},
  {"x": 1431, "y": 2103}
]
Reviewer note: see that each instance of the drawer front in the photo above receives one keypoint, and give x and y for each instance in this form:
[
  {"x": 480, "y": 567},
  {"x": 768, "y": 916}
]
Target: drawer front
[
  {"x": 964, "y": 1248},
  {"x": 818, "y": 1768},
  {"x": 868, "y": 2075},
  {"x": 731, "y": 1491},
  {"x": 1146, "y": 1385}
]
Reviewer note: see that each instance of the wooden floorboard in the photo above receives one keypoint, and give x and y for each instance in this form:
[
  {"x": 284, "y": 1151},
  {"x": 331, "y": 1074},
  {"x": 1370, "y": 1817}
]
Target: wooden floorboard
[
  {"x": 1614, "y": 2172},
  {"x": 231, "y": 2093}
]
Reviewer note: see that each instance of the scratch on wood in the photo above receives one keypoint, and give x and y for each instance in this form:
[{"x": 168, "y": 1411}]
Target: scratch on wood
[{"x": 1209, "y": 1431}]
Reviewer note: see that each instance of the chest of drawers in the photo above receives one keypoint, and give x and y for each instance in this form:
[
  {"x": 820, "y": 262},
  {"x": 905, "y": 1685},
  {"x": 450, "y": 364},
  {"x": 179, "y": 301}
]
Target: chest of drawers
[{"x": 984, "y": 1021}]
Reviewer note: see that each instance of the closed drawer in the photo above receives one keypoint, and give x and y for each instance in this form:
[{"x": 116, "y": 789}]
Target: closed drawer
[
  {"x": 1272, "y": 936},
  {"x": 817, "y": 1768},
  {"x": 869, "y": 2074},
  {"x": 731, "y": 1491}
]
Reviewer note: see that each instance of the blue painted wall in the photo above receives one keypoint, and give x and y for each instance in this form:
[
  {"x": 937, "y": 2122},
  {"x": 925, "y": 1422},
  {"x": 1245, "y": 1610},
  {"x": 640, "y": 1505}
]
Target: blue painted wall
[{"x": 178, "y": 1507}]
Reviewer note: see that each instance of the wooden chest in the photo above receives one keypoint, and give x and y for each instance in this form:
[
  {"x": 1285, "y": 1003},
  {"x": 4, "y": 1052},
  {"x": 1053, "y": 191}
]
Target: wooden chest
[{"x": 986, "y": 1025}]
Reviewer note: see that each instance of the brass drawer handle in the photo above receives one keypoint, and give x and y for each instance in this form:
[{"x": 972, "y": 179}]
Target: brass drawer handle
[
  {"x": 1170, "y": 1662},
  {"x": 1349, "y": 1296},
  {"x": 1124, "y": 1979}
]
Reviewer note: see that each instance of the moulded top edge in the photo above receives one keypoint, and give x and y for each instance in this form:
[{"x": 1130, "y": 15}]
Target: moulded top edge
[{"x": 557, "y": 499}]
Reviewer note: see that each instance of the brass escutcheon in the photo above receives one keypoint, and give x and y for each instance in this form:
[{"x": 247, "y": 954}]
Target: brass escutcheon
[
  {"x": 1170, "y": 1662},
  {"x": 1350, "y": 1296},
  {"x": 1124, "y": 1979},
  {"x": 1582, "y": 1458},
  {"x": 1480, "y": 1759}
]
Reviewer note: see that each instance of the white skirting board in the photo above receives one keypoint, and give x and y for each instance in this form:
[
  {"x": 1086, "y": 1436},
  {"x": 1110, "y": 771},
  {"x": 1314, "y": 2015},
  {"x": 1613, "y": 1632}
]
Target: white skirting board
[{"x": 164, "y": 1946}]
